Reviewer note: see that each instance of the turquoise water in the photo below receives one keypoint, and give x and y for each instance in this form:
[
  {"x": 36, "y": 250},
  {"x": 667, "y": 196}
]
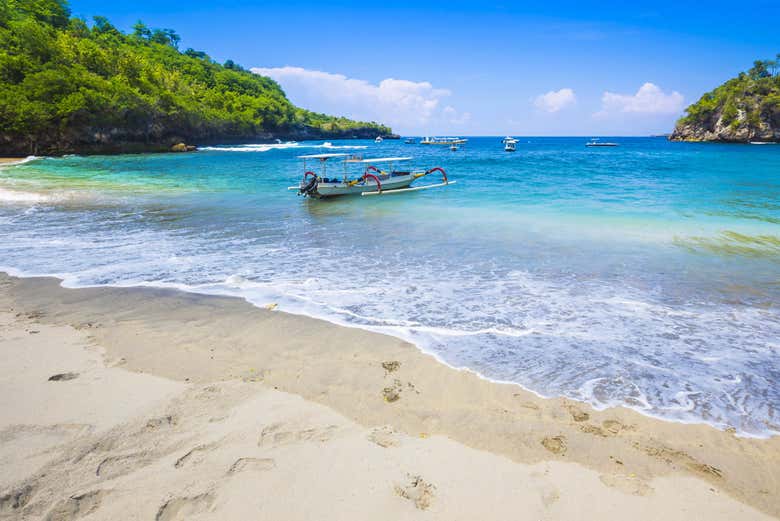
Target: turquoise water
[{"x": 646, "y": 275}]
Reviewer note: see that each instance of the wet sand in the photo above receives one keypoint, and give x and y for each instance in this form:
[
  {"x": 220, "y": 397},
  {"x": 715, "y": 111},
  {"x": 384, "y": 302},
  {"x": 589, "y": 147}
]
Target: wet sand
[{"x": 148, "y": 403}]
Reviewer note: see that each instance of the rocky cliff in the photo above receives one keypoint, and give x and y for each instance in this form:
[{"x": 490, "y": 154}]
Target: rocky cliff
[{"x": 745, "y": 108}]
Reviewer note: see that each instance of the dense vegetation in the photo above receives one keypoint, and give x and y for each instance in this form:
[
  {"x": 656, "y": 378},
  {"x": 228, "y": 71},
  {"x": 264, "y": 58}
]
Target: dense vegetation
[
  {"x": 68, "y": 86},
  {"x": 744, "y": 108}
]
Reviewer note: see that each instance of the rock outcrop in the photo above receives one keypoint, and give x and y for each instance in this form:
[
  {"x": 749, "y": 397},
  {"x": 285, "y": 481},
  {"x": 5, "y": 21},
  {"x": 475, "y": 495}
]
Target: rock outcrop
[
  {"x": 183, "y": 147},
  {"x": 745, "y": 108},
  {"x": 716, "y": 128}
]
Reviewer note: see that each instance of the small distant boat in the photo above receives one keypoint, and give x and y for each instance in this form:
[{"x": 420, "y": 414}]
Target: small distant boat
[
  {"x": 447, "y": 141},
  {"x": 410, "y": 141},
  {"x": 378, "y": 139},
  {"x": 510, "y": 144},
  {"x": 763, "y": 143},
  {"x": 454, "y": 148},
  {"x": 596, "y": 143},
  {"x": 373, "y": 181}
]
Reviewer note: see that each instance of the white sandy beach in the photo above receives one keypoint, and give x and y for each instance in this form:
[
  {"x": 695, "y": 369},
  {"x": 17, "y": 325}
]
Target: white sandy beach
[{"x": 150, "y": 404}]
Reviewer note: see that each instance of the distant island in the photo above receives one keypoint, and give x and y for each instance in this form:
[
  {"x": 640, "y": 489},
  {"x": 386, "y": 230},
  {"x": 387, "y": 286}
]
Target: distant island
[
  {"x": 67, "y": 87},
  {"x": 745, "y": 108}
]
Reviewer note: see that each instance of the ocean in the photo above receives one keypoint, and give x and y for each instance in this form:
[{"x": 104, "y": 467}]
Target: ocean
[{"x": 646, "y": 275}]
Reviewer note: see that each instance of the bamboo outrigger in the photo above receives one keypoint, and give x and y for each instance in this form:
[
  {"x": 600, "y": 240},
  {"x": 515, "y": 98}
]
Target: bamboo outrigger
[{"x": 373, "y": 181}]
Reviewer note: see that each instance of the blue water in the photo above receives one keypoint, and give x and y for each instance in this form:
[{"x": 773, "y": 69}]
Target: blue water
[{"x": 646, "y": 275}]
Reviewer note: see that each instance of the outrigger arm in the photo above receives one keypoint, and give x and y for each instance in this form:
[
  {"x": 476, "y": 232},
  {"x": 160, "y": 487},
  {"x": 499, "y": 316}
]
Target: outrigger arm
[{"x": 415, "y": 188}]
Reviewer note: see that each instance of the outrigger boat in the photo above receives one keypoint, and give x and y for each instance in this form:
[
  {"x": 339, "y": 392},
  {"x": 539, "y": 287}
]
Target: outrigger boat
[
  {"x": 448, "y": 141},
  {"x": 373, "y": 181}
]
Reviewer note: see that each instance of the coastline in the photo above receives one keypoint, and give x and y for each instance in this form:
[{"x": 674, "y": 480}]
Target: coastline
[
  {"x": 167, "y": 146},
  {"x": 191, "y": 340},
  {"x": 9, "y": 161}
]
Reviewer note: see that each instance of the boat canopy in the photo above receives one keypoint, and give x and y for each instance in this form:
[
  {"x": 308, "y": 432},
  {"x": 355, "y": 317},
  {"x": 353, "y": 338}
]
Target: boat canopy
[
  {"x": 322, "y": 156},
  {"x": 378, "y": 159}
]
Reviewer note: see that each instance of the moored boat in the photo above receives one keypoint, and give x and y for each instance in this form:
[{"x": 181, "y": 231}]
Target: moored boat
[
  {"x": 510, "y": 144},
  {"x": 594, "y": 142},
  {"x": 375, "y": 179},
  {"x": 447, "y": 141}
]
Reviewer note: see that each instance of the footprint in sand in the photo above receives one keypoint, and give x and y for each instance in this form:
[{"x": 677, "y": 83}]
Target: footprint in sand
[
  {"x": 628, "y": 484},
  {"x": 578, "y": 414},
  {"x": 63, "y": 377},
  {"x": 682, "y": 458},
  {"x": 194, "y": 456},
  {"x": 417, "y": 491},
  {"x": 391, "y": 366},
  {"x": 393, "y": 394},
  {"x": 555, "y": 444},
  {"x": 279, "y": 434},
  {"x": 252, "y": 464},
  {"x": 613, "y": 427},
  {"x": 16, "y": 499},
  {"x": 161, "y": 423},
  {"x": 385, "y": 437},
  {"x": 608, "y": 428},
  {"x": 113, "y": 466},
  {"x": 77, "y": 506},
  {"x": 182, "y": 508}
]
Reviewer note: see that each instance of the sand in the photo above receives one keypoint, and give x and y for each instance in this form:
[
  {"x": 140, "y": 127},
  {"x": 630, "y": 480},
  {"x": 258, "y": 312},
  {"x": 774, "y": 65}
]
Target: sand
[
  {"x": 139, "y": 403},
  {"x": 11, "y": 160}
]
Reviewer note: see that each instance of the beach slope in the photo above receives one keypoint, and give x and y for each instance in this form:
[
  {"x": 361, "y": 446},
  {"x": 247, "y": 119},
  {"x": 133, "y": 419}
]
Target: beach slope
[{"x": 141, "y": 403}]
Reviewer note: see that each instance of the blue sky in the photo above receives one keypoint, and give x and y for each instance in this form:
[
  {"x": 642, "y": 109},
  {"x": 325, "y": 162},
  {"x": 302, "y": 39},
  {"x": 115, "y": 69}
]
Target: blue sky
[{"x": 489, "y": 68}]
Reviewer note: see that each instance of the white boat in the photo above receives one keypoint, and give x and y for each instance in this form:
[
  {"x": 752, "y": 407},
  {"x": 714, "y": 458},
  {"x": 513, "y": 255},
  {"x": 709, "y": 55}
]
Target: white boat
[
  {"x": 510, "y": 144},
  {"x": 454, "y": 148},
  {"x": 410, "y": 141},
  {"x": 375, "y": 180},
  {"x": 378, "y": 139},
  {"x": 594, "y": 142},
  {"x": 447, "y": 141}
]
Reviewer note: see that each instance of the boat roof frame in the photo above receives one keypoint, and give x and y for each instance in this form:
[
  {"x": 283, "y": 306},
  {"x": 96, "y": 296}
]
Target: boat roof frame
[
  {"x": 323, "y": 157},
  {"x": 380, "y": 159}
]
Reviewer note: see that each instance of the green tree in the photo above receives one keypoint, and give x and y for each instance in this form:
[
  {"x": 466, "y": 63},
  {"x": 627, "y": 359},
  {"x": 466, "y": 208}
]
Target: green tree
[{"x": 141, "y": 30}]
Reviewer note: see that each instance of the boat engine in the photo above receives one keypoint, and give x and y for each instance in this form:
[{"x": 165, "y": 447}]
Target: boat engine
[{"x": 310, "y": 187}]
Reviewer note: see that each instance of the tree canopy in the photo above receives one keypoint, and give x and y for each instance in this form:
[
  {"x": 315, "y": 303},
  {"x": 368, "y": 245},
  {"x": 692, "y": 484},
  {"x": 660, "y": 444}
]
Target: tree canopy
[
  {"x": 68, "y": 85},
  {"x": 750, "y": 100}
]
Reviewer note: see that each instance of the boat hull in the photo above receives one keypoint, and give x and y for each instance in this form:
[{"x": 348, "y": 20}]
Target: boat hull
[{"x": 336, "y": 189}]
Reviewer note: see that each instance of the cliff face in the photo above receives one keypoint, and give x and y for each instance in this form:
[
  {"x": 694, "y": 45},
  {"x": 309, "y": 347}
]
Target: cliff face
[
  {"x": 717, "y": 129},
  {"x": 745, "y": 108}
]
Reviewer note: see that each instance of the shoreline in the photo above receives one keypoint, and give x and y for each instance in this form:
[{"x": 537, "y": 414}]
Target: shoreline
[
  {"x": 375, "y": 380},
  {"x": 15, "y": 273},
  {"x": 10, "y": 161}
]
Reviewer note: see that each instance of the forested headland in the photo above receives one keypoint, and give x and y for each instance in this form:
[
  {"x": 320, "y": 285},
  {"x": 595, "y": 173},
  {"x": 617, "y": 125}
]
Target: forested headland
[
  {"x": 69, "y": 86},
  {"x": 745, "y": 108}
]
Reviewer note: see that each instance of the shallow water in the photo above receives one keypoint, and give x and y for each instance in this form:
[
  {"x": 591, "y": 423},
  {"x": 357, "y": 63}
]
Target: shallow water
[{"x": 646, "y": 275}]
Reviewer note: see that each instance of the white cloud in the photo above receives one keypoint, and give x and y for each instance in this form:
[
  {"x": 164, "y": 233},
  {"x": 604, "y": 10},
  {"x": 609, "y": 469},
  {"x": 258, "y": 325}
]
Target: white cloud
[
  {"x": 404, "y": 105},
  {"x": 649, "y": 99},
  {"x": 555, "y": 100}
]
